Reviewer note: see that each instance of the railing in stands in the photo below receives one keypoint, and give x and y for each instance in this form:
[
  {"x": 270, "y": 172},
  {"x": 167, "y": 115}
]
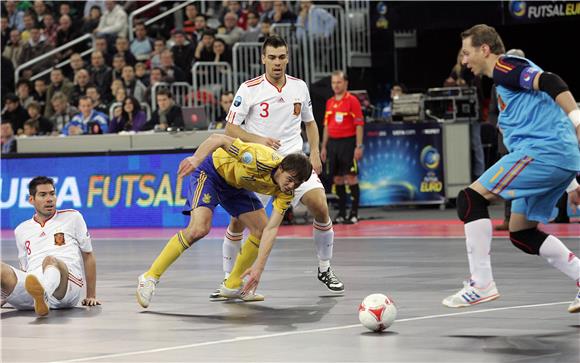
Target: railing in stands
[
  {"x": 327, "y": 51},
  {"x": 181, "y": 91},
  {"x": 210, "y": 79},
  {"x": 247, "y": 62},
  {"x": 174, "y": 9},
  {"x": 49, "y": 54},
  {"x": 60, "y": 65},
  {"x": 358, "y": 25},
  {"x": 299, "y": 66}
]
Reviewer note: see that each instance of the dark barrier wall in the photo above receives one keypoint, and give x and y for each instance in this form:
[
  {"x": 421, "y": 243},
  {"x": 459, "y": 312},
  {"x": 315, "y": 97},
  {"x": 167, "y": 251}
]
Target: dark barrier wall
[{"x": 546, "y": 39}]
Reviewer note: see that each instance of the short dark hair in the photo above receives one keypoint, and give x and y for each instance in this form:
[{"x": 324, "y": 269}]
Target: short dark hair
[
  {"x": 299, "y": 164},
  {"x": 39, "y": 180},
  {"x": 484, "y": 34},
  {"x": 274, "y": 41},
  {"x": 164, "y": 92}
]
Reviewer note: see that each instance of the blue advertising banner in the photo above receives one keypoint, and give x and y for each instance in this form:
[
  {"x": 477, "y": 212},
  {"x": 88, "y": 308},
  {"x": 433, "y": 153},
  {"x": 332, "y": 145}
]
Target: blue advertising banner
[
  {"x": 402, "y": 164},
  {"x": 137, "y": 190}
]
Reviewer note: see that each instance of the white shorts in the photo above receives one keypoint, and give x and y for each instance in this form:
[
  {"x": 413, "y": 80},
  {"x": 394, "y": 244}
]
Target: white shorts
[
  {"x": 312, "y": 183},
  {"x": 21, "y": 300}
]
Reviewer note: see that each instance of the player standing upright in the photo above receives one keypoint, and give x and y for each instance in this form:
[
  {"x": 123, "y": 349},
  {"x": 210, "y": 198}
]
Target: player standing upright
[
  {"x": 269, "y": 110},
  {"x": 53, "y": 247},
  {"x": 540, "y": 122}
]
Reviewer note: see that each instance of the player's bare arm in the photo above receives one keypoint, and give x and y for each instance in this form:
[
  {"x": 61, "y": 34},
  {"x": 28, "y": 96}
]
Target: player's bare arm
[
  {"x": 210, "y": 145},
  {"x": 91, "y": 276},
  {"x": 236, "y": 131},
  {"x": 267, "y": 242},
  {"x": 313, "y": 141}
]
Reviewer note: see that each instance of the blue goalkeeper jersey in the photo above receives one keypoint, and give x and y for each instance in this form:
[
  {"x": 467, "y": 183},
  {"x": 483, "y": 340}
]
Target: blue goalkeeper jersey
[{"x": 531, "y": 121}]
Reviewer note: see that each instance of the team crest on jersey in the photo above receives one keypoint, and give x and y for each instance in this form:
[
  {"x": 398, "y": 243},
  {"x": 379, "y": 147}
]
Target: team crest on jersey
[
  {"x": 238, "y": 101},
  {"x": 247, "y": 157},
  {"x": 59, "y": 239},
  {"x": 207, "y": 198},
  {"x": 297, "y": 109}
]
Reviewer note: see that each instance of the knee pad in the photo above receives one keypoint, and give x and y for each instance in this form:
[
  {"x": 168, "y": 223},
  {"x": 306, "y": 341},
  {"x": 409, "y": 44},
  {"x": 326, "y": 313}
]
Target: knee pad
[
  {"x": 528, "y": 240},
  {"x": 471, "y": 206}
]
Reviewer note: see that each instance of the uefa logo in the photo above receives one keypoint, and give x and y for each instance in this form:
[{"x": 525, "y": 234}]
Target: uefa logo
[
  {"x": 430, "y": 157},
  {"x": 517, "y": 9}
]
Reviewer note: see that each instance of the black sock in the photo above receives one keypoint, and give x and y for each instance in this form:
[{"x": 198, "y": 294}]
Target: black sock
[
  {"x": 341, "y": 193},
  {"x": 355, "y": 195}
]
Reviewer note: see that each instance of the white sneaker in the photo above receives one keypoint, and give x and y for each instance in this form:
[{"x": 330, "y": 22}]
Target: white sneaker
[
  {"x": 215, "y": 295},
  {"x": 36, "y": 290},
  {"x": 471, "y": 295},
  {"x": 145, "y": 290},
  {"x": 575, "y": 305},
  {"x": 237, "y": 294}
]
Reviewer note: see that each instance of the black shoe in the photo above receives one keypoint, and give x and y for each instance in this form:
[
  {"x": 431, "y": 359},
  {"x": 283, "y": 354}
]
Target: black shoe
[
  {"x": 332, "y": 283},
  {"x": 339, "y": 220}
]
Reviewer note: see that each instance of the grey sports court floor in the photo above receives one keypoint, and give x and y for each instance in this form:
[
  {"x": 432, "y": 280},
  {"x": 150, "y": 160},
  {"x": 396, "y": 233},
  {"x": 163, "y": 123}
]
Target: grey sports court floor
[{"x": 299, "y": 321}]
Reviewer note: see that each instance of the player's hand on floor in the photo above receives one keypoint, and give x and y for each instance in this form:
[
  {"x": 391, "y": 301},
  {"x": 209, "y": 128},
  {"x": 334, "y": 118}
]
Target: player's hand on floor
[
  {"x": 91, "y": 301},
  {"x": 253, "y": 280}
]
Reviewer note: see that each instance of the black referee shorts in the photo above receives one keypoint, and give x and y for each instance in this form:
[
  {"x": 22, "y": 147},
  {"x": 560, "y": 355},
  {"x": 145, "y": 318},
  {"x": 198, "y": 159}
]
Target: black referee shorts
[{"x": 340, "y": 157}]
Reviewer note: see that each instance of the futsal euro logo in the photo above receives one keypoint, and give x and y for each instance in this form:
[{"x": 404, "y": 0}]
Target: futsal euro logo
[{"x": 517, "y": 8}]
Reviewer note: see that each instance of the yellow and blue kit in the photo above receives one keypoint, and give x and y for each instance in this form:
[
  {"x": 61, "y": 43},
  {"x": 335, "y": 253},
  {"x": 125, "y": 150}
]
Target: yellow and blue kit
[{"x": 229, "y": 178}]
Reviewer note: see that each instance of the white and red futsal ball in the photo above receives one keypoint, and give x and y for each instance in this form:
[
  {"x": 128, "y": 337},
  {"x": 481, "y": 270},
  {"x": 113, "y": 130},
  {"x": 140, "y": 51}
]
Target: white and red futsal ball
[{"x": 377, "y": 312}]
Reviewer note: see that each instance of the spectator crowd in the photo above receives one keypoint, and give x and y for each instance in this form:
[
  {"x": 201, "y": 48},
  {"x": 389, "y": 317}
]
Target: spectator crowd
[{"x": 109, "y": 88}]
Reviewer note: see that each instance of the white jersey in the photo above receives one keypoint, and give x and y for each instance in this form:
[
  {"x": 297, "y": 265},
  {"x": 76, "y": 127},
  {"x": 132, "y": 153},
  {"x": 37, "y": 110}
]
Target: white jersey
[
  {"x": 261, "y": 108},
  {"x": 63, "y": 236}
]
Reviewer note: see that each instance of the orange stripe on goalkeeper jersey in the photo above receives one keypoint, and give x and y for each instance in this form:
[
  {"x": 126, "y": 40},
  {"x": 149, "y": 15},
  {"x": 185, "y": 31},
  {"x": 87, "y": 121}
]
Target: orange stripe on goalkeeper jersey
[
  {"x": 502, "y": 66},
  {"x": 513, "y": 173},
  {"x": 198, "y": 189}
]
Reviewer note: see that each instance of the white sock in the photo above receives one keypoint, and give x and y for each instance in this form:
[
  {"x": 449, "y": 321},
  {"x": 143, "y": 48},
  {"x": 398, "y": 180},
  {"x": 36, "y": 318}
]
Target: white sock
[
  {"x": 50, "y": 279},
  {"x": 323, "y": 265},
  {"x": 230, "y": 249},
  {"x": 324, "y": 239},
  {"x": 559, "y": 256},
  {"x": 478, "y": 240}
]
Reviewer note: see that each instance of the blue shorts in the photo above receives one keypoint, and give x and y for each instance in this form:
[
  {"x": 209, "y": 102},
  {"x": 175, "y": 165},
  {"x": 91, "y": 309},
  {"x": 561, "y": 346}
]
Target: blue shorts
[
  {"x": 208, "y": 189},
  {"x": 534, "y": 186}
]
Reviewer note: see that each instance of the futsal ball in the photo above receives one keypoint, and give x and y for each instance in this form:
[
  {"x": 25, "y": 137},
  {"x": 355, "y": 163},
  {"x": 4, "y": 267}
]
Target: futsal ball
[{"x": 377, "y": 312}]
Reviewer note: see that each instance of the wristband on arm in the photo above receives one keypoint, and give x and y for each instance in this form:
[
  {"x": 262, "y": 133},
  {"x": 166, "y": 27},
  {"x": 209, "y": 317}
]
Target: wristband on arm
[
  {"x": 573, "y": 186},
  {"x": 575, "y": 117}
]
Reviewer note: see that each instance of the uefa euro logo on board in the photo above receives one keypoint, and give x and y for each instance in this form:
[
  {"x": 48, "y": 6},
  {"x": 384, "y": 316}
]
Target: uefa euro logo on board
[
  {"x": 430, "y": 157},
  {"x": 517, "y": 9}
]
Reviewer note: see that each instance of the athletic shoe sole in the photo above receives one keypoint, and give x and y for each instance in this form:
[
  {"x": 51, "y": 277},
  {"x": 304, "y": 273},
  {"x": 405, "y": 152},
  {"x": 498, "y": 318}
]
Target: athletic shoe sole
[
  {"x": 35, "y": 289},
  {"x": 486, "y": 299}
]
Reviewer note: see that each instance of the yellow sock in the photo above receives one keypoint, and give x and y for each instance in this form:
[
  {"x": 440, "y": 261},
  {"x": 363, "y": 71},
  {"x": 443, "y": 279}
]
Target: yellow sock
[
  {"x": 173, "y": 249},
  {"x": 246, "y": 258}
]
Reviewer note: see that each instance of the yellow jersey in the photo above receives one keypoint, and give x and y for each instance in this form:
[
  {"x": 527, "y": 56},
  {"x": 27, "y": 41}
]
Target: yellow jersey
[{"x": 251, "y": 166}]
